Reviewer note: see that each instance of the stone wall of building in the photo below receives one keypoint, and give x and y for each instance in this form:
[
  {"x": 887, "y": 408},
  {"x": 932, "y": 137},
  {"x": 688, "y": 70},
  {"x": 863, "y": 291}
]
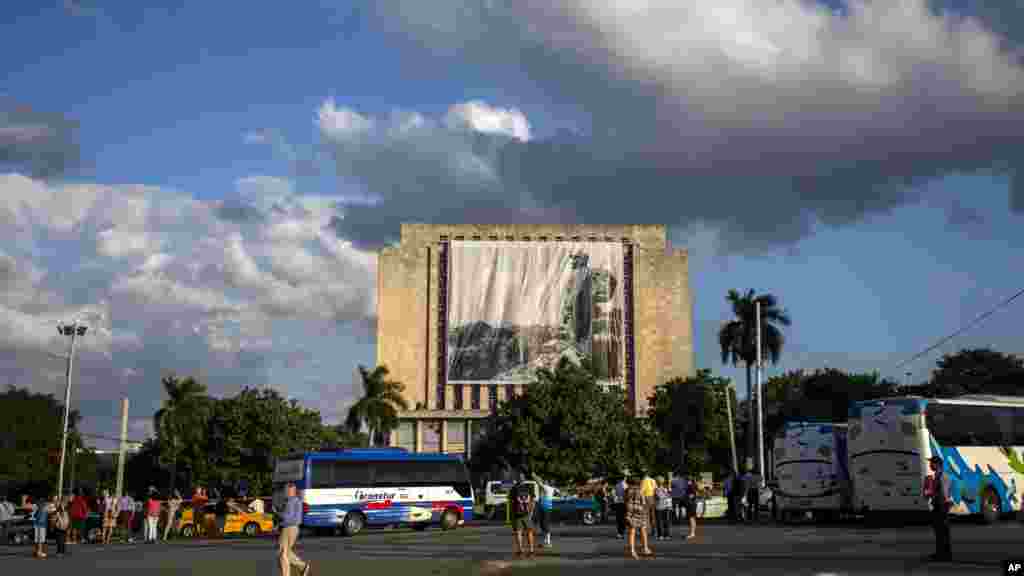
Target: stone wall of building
[{"x": 408, "y": 315}]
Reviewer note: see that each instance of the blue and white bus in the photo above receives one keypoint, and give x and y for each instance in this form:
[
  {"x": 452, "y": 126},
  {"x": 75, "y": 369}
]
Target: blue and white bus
[
  {"x": 810, "y": 468},
  {"x": 352, "y": 489},
  {"x": 979, "y": 438}
]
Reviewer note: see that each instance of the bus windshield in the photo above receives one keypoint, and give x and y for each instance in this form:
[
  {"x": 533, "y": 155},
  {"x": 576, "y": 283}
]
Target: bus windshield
[{"x": 888, "y": 451}]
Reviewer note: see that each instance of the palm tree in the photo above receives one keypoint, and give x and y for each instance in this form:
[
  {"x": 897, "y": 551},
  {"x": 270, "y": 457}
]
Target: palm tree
[
  {"x": 178, "y": 422},
  {"x": 379, "y": 406},
  {"x": 738, "y": 338}
]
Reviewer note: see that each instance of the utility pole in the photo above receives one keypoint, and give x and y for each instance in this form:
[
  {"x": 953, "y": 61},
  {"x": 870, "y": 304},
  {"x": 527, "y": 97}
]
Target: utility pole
[
  {"x": 124, "y": 447},
  {"x": 71, "y": 331},
  {"x": 732, "y": 431},
  {"x": 760, "y": 401}
]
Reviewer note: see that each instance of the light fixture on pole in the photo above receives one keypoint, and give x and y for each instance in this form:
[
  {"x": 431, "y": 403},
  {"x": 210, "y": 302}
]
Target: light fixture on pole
[{"x": 72, "y": 331}]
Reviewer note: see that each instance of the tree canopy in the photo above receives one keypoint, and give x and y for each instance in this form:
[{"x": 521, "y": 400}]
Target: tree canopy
[
  {"x": 566, "y": 429},
  {"x": 694, "y": 410},
  {"x": 222, "y": 441},
  {"x": 379, "y": 406},
  {"x": 31, "y": 427}
]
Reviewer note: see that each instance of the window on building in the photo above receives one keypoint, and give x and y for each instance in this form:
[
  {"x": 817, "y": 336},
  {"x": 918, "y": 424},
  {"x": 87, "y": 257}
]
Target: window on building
[
  {"x": 475, "y": 400},
  {"x": 456, "y": 436},
  {"x": 510, "y": 392},
  {"x": 405, "y": 435},
  {"x": 440, "y": 395},
  {"x": 492, "y": 398},
  {"x": 431, "y": 435},
  {"x": 457, "y": 391}
]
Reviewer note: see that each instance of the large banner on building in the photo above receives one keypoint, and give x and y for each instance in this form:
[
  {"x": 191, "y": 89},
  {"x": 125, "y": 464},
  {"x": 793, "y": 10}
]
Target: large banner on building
[{"x": 515, "y": 307}]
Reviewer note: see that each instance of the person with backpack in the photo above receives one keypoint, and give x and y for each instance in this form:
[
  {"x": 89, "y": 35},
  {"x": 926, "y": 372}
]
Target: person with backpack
[
  {"x": 61, "y": 525},
  {"x": 523, "y": 505}
]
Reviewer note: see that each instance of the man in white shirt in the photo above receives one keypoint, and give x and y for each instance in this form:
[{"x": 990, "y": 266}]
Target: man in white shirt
[{"x": 619, "y": 503}]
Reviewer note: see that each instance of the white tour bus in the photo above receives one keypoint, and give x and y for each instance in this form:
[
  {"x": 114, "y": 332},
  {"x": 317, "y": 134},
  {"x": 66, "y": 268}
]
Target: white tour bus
[
  {"x": 352, "y": 489},
  {"x": 979, "y": 438},
  {"x": 810, "y": 469}
]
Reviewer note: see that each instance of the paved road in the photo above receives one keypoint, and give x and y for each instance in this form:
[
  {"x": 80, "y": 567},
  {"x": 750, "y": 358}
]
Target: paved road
[{"x": 719, "y": 549}]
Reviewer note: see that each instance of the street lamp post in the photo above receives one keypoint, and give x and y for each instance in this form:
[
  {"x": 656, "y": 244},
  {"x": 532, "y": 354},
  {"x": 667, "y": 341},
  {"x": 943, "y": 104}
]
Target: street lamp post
[{"x": 72, "y": 331}]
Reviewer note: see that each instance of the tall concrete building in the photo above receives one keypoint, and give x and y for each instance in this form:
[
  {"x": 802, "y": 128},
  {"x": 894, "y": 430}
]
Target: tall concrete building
[{"x": 466, "y": 313}]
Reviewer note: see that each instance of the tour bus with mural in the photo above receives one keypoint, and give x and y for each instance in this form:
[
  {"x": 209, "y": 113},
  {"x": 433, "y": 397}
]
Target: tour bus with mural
[
  {"x": 349, "y": 490},
  {"x": 979, "y": 438},
  {"x": 810, "y": 470}
]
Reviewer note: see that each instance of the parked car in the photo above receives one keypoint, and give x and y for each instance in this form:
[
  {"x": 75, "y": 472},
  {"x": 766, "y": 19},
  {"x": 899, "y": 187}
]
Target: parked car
[
  {"x": 17, "y": 530},
  {"x": 248, "y": 523}
]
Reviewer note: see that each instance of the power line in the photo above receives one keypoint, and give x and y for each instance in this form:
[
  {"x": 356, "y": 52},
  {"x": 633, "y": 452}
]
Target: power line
[{"x": 963, "y": 329}]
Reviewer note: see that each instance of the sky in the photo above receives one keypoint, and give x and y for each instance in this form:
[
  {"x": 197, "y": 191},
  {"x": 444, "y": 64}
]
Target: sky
[{"x": 204, "y": 184}]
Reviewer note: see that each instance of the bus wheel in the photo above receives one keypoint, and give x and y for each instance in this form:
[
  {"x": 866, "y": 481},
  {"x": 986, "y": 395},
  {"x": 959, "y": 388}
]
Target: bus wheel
[
  {"x": 251, "y": 529},
  {"x": 449, "y": 520},
  {"x": 588, "y": 518},
  {"x": 188, "y": 531},
  {"x": 353, "y": 524},
  {"x": 991, "y": 507}
]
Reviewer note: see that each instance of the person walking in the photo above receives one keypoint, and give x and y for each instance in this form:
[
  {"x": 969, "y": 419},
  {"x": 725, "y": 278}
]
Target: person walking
[
  {"x": 619, "y": 506},
  {"x": 936, "y": 489},
  {"x": 152, "y": 516},
  {"x": 290, "y": 521},
  {"x": 61, "y": 524},
  {"x": 40, "y": 518},
  {"x": 523, "y": 505},
  {"x": 172, "y": 512},
  {"x": 637, "y": 516},
  {"x": 664, "y": 498}
]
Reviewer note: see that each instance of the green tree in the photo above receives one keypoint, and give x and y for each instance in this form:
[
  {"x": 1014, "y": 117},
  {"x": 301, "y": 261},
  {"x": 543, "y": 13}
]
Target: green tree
[
  {"x": 181, "y": 425},
  {"x": 378, "y": 408},
  {"x": 827, "y": 394},
  {"x": 977, "y": 371},
  {"x": 669, "y": 413},
  {"x": 31, "y": 427},
  {"x": 737, "y": 338},
  {"x": 566, "y": 429}
]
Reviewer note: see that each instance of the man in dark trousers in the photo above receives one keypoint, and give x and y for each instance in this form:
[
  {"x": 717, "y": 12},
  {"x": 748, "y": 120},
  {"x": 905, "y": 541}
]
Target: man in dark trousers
[{"x": 936, "y": 489}]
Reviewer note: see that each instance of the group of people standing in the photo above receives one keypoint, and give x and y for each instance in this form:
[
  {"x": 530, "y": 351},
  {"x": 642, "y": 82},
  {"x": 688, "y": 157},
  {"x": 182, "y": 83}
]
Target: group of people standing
[
  {"x": 643, "y": 504},
  {"x": 640, "y": 504}
]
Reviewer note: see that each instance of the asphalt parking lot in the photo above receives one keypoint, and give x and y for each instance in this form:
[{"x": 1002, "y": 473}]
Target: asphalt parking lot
[{"x": 486, "y": 549}]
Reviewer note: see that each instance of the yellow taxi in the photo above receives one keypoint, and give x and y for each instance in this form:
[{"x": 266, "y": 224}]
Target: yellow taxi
[{"x": 237, "y": 522}]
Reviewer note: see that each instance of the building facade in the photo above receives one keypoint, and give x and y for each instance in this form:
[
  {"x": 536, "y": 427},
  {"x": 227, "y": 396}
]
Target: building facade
[{"x": 423, "y": 306}]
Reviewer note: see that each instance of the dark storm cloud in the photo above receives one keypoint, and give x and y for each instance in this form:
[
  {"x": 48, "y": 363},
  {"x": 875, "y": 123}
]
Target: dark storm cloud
[
  {"x": 758, "y": 119},
  {"x": 43, "y": 144}
]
